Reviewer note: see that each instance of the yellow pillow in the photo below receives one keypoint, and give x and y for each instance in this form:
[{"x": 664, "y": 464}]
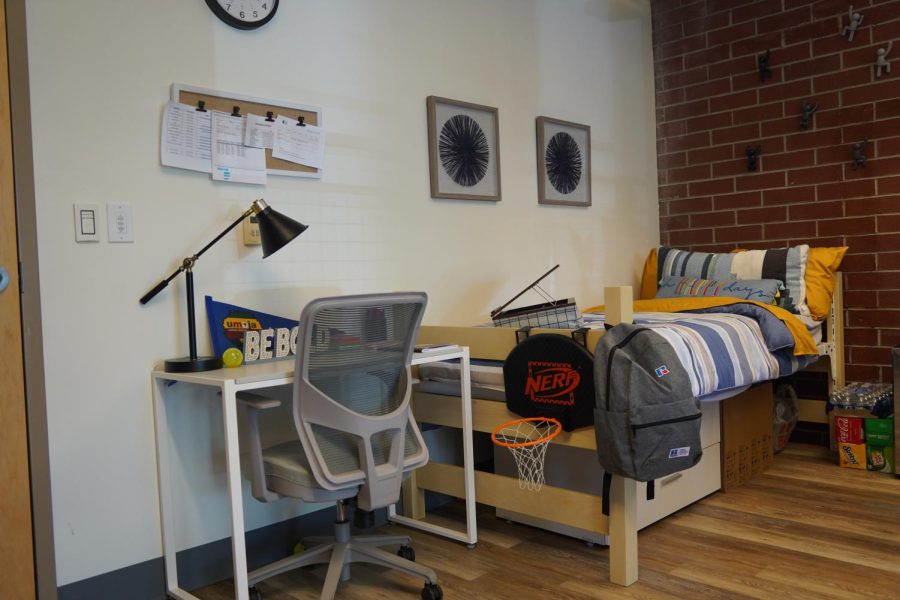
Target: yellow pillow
[
  {"x": 821, "y": 267},
  {"x": 650, "y": 278}
]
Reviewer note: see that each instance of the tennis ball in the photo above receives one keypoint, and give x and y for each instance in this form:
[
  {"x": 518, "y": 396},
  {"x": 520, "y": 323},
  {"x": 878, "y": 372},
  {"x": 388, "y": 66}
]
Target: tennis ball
[{"x": 232, "y": 357}]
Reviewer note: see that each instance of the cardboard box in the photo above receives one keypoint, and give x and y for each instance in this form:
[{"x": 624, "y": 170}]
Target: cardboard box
[
  {"x": 852, "y": 455},
  {"x": 747, "y": 435},
  {"x": 879, "y": 432},
  {"x": 880, "y": 458},
  {"x": 848, "y": 430}
]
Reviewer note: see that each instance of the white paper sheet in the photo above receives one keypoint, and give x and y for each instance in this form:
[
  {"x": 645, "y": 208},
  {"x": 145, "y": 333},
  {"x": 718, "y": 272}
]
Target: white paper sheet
[
  {"x": 186, "y": 138},
  {"x": 231, "y": 159},
  {"x": 259, "y": 132},
  {"x": 301, "y": 145}
]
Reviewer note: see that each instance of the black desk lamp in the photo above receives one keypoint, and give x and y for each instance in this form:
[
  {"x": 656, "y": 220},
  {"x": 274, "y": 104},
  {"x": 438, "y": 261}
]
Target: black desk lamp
[{"x": 275, "y": 231}]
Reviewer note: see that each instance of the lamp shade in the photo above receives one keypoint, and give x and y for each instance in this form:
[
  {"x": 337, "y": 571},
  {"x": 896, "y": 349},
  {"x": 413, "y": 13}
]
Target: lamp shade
[{"x": 276, "y": 230}]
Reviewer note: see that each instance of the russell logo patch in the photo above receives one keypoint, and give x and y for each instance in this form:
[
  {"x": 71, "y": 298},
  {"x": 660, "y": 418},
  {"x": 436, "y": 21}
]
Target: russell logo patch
[
  {"x": 679, "y": 452},
  {"x": 662, "y": 370}
]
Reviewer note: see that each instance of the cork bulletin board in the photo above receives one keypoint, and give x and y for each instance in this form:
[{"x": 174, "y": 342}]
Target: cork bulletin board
[{"x": 226, "y": 101}]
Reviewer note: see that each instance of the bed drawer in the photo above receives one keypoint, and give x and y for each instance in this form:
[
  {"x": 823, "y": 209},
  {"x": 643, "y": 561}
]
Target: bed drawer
[{"x": 678, "y": 490}]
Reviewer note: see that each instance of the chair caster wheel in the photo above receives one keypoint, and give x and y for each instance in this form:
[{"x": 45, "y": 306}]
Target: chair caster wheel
[
  {"x": 432, "y": 591},
  {"x": 407, "y": 552},
  {"x": 255, "y": 594}
]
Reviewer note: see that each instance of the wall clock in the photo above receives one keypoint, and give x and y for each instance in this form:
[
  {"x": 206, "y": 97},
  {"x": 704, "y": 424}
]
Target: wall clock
[{"x": 244, "y": 14}]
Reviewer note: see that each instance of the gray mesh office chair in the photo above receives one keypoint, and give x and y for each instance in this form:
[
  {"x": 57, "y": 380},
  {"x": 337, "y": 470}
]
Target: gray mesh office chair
[{"x": 356, "y": 434}]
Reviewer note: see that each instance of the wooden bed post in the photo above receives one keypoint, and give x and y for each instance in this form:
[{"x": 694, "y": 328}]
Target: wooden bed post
[{"x": 623, "y": 549}]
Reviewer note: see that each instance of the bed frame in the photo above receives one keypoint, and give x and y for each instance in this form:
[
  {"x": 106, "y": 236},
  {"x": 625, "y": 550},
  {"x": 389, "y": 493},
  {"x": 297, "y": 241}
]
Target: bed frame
[{"x": 567, "y": 507}]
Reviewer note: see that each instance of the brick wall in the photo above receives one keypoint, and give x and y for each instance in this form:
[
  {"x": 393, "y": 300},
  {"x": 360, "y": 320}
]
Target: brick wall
[{"x": 711, "y": 105}]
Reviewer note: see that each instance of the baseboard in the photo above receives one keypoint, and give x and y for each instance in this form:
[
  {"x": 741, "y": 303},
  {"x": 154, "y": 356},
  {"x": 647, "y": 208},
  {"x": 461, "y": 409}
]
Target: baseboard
[{"x": 203, "y": 565}]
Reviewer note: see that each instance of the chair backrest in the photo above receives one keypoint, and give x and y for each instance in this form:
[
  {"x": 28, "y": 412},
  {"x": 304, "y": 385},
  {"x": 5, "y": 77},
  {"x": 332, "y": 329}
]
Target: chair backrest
[{"x": 352, "y": 390}]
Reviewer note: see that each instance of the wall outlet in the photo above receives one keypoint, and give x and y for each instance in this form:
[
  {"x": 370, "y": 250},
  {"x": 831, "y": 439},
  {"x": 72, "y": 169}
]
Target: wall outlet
[
  {"x": 251, "y": 231},
  {"x": 119, "y": 222},
  {"x": 86, "y": 222}
]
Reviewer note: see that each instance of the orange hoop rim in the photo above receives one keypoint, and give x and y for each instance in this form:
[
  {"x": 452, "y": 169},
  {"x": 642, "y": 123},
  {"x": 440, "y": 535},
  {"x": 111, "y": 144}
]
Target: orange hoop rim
[{"x": 542, "y": 440}]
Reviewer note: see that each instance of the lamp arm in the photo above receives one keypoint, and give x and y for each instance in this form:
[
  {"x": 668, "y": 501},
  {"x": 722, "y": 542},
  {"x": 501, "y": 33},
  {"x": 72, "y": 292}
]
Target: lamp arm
[{"x": 188, "y": 263}]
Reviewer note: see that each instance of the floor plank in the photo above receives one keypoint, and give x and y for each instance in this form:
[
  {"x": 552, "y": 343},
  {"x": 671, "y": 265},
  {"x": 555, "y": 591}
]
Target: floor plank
[{"x": 806, "y": 528}]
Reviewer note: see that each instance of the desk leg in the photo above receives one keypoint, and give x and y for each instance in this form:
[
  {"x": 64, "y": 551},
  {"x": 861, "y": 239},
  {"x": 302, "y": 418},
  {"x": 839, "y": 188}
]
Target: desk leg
[
  {"x": 623, "y": 550},
  {"x": 235, "y": 495},
  {"x": 413, "y": 498},
  {"x": 468, "y": 454},
  {"x": 161, "y": 426}
]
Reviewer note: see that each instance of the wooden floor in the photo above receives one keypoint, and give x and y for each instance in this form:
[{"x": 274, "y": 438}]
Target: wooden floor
[{"x": 804, "y": 529}]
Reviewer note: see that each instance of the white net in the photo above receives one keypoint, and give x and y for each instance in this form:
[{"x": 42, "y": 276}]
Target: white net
[{"x": 527, "y": 439}]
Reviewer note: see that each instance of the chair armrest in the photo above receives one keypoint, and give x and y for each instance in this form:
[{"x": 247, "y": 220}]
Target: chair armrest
[{"x": 252, "y": 405}]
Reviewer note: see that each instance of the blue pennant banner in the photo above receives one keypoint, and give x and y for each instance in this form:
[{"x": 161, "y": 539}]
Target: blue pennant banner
[{"x": 259, "y": 336}]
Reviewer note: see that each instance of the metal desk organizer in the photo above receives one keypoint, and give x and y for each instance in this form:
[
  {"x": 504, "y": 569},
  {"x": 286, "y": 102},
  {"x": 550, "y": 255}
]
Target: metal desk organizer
[{"x": 552, "y": 314}]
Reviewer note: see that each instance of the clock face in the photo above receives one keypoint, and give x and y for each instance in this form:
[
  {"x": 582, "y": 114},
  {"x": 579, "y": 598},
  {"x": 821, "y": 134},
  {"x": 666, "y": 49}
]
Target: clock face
[{"x": 244, "y": 14}]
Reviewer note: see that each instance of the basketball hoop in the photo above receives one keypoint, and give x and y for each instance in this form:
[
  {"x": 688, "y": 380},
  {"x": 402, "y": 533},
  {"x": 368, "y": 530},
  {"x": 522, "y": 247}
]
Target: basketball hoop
[{"x": 527, "y": 440}]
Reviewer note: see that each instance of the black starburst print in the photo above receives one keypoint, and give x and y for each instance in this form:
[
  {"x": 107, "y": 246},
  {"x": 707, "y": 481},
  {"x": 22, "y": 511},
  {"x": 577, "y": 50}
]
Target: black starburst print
[
  {"x": 464, "y": 150},
  {"x": 563, "y": 161}
]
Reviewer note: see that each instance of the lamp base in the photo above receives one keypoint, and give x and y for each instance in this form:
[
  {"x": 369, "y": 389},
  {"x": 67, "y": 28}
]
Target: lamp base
[{"x": 193, "y": 365}]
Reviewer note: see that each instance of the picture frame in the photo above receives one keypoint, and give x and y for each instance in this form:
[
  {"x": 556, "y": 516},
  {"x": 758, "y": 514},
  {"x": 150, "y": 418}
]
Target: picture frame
[
  {"x": 563, "y": 162},
  {"x": 463, "y": 149}
]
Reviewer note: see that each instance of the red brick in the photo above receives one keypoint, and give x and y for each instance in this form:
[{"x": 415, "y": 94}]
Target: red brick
[
  {"x": 669, "y": 65},
  {"x": 708, "y": 90},
  {"x": 889, "y": 147},
  {"x": 846, "y": 189},
  {"x": 789, "y": 54},
  {"x": 815, "y": 210},
  {"x": 789, "y": 195},
  {"x": 809, "y": 68},
  {"x": 740, "y": 200},
  {"x": 862, "y": 299},
  {"x": 755, "y": 10},
  {"x": 684, "y": 78},
  {"x": 881, "y": 89},
  {"x": 689, "y": 109},
  {"x": 815, "y": 175},
  {"x": 825, "y": 9},
  {"x": 794, "y": 230},
  {"x": 847, "y": 226},
  {"x": 861, "y": 113},
  {"x": 884, "y": 128},
  {"x": 758, "y": 113},
  {"x": 810, "y": 31},
  {"x": 668, "y": 192},
  {"x": 738, "y": 234},
  {"x": 683, "y": 46},
  {"x": 838, "y": 43},
  {"x": 881, "y": 167},
  {"x": 887, "y": 223},
  {"x": 874, "y": 318},
  {"x": 760, "y": 181},
  {"x": 888, "y": 108},
  {"x": 689, "y": 173},
  {"x": 667, "y": 161},
  {"x": 885, "y": 11},
  {"x": 706, "y": 24},
  {"x": 791, "y": 89},
  {"x": 842, "y": 79},
  {"x": 717, "y": 5},
  {"x": 686, "y": 142},
  {"x": 676, "y": 222},
  {"x": 873, "y": 206},
  {"x": 889, "y": 337},
  {"x": 814, "y": 139},
  {"x": 757, "y": 45},
  {"x": 862, "y": 373},
  {"x": 662, "y": 177},
  {"x": 861, "y": 56},
  {"x": 875, "y": 243},
  {"x": 861, "y": 337},
  {"x": 747, "y": 132},
  {"x": 705, "y": 57},
  {"x": 689, "y": 205},
  {"x": 874, "y": 356},
  {"x": 671, "y": 33},
  {"x": 729, "y": 34},
  {"x": 686, "y": 13},
  {"x": 712, "y": 219},
  {"x": 788, "y": 160},
  {"x": 671, "y": 129},
  {"x": 781, "y": 126},
  {"x": 712, "y": 154},
  {"x": 690, "y": 236},
  {"x": 762, "y": 215},
  {"x": 726, "y": 67},
  {"x": 889, "y": 298},
  {"x": 770, "y": 145},
  {"x": 749, "y": 80},
  {"x": 730, "y": 168},
  {"x": 889, "y": 185},
  {"x": 889, "y": 260},
  {"x": 707, "y": 122},
  {"x": 730, "y": 101},
  {"x": 711, "y": 187},
  {"x": 669, "y": 97}
]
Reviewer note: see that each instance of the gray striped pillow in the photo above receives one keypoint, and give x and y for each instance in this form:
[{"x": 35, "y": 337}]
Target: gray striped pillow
[{"x": 787, "y": 265}]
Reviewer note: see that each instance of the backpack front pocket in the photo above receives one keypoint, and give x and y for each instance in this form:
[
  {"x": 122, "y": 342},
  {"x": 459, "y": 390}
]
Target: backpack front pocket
[{"x": 665, "y": 438}]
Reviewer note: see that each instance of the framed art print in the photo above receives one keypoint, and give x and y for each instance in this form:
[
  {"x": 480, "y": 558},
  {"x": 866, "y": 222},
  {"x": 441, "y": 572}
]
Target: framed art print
[
  {"x": 463, "y": 149},
  {"x": 563, "y": 162}
]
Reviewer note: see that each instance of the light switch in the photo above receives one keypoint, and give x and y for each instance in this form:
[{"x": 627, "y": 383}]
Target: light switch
[
  {"x": 86, "y": 221},
  {"x": 251, "y": 231},
  {"x": 120, "y": 228}
]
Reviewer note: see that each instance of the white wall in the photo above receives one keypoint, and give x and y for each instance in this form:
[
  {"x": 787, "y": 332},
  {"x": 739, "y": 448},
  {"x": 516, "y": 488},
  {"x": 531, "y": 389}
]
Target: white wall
[{"x": 100, "y": 74}]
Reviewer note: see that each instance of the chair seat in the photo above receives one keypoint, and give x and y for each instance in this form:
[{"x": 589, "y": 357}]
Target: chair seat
[{"x": 288, "y": 473}]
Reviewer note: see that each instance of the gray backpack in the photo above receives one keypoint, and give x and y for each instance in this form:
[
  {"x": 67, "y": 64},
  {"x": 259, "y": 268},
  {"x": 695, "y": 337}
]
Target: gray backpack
[{"x": 647, "y": 421}]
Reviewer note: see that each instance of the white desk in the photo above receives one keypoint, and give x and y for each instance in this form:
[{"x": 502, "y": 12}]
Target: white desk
[{"x": 252, "y": 377}]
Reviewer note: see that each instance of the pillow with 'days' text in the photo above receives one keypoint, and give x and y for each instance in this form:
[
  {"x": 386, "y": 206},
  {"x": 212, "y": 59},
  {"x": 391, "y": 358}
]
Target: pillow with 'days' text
[{"x": 760, "y": 290}]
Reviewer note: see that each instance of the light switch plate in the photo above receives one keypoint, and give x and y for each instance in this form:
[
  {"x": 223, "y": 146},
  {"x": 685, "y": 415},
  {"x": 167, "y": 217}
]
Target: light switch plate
[
  {"x": 119, "y": 222},
  {"x": 251, "y": 231},
  {"x": 86, "y": 222}
]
